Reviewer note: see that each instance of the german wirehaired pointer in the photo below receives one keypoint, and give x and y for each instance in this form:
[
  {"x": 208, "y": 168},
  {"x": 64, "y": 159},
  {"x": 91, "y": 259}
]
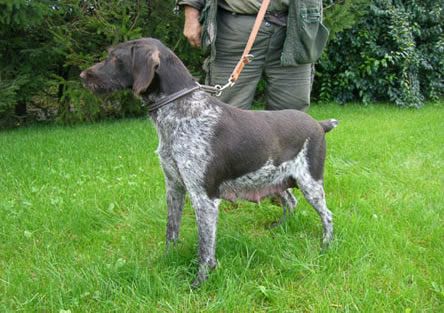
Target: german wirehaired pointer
[{"x": 213, "y": 150}]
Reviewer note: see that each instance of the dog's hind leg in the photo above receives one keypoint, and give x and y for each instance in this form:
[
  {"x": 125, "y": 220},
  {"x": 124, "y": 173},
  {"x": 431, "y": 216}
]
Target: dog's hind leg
[
  {"x": 288, "y": 203},
  {"x": 314, "y": 193},
  {"x": 206, "y": 217}
]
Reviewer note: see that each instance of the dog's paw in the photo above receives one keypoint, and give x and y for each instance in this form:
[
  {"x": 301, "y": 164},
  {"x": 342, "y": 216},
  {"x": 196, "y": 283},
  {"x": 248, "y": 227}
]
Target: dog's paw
[
  {"x": 171, "y": 244},
  {"x": 326, "y": 243},
  {"x": 202, "y": 274}
]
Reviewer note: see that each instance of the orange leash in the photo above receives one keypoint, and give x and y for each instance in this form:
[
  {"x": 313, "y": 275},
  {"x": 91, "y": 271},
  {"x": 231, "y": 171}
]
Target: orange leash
[{"x": 246, "y": 57}]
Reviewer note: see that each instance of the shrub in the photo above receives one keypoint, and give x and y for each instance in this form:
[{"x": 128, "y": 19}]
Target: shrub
[{"x": 395, "y": 53}]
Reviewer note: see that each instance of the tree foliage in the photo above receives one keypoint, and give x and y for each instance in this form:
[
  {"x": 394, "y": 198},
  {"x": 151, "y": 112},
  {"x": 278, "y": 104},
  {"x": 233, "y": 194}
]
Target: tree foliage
[
  {"x": 21, "y": 73},
  {"x": 340, "y": 15},
  {"x": 45, "y": 44}
]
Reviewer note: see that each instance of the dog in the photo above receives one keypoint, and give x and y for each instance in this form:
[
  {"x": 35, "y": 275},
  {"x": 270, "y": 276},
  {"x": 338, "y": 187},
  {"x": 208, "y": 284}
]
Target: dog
[{"x": 212, "y": 150}]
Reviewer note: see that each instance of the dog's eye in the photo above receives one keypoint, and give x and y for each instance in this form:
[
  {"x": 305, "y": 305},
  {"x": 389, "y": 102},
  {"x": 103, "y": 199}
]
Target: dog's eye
[{"x": 114, "y": 59}]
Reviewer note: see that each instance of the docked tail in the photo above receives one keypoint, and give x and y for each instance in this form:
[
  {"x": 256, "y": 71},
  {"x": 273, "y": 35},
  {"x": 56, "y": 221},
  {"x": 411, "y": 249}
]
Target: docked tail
[{"x": 328, "y": 125}]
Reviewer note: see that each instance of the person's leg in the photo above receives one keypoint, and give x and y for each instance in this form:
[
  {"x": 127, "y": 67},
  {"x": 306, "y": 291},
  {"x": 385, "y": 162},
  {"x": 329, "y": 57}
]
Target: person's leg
[
  {"x": 232, "y": 36},
  {"x": 288, "y": 87}
]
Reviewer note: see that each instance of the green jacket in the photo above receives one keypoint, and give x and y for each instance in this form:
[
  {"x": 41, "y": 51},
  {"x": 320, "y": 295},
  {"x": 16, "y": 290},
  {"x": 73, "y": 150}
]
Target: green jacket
[{"x": 306, "y": 35}]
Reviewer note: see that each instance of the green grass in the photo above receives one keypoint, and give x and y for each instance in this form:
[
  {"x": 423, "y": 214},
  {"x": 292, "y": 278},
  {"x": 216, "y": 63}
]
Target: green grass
[{"x": 82, "y": 223}]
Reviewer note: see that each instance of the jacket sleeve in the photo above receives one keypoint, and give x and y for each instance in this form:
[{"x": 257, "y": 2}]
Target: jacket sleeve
[{"x": 198, "y": 4}]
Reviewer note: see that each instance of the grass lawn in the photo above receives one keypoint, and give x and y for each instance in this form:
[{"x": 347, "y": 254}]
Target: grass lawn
[{"x": 82, "y": 224}]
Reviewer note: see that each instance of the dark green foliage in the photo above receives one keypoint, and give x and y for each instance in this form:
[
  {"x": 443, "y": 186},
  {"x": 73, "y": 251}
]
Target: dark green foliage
[
  {"x": 45, "y": 44},
  {"x": 82, "y": 32},
  {"x": 20, "y": 53},
  {"x": 395, "y": 53},
  {"x": 340, "y": 15}
]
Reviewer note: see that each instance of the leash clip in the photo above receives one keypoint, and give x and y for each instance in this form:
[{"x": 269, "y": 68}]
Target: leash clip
[
  {"x": 248, "y": 58},
  {"x": 220, "y": 88}
]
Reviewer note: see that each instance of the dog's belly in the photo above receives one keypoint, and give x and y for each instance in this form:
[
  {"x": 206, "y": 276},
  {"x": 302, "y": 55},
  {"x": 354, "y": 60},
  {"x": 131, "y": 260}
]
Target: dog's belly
[{"x": 263, "y": 182}]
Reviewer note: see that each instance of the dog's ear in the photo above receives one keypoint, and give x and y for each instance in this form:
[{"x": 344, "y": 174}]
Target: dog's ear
[{"x": 145, "y": 61}]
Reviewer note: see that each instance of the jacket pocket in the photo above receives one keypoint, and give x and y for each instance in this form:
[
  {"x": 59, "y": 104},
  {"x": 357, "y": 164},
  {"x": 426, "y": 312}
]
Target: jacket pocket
[{"x": 312, "y": 34}]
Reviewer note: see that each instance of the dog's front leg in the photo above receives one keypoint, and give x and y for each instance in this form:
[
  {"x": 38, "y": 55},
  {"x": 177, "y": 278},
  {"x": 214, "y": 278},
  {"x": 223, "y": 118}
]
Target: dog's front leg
[
  {"x": 206, "y": 217},
  {"x": 175, "y": 198},
  {"x": 175, "y": 202}
]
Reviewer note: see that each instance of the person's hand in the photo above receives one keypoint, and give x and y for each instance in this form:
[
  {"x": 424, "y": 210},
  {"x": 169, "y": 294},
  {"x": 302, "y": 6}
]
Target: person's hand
[{"x": 192, "y": 27}]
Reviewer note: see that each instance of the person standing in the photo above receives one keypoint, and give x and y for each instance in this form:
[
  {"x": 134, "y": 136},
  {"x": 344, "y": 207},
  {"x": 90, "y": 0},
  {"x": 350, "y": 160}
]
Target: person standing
[{"x": 289, "y": 41}]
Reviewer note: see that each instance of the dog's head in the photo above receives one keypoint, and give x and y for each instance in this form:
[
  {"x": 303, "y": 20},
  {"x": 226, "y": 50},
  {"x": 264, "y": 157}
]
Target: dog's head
[{"x": 130, "y": 65}]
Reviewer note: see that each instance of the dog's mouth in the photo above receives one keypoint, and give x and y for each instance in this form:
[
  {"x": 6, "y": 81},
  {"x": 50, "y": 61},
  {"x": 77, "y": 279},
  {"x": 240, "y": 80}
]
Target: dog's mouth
[{"x": 98, "y": 87}]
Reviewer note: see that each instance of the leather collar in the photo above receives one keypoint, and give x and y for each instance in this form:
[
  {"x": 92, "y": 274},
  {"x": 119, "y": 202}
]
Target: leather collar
[{"x": 164, "y": 101}]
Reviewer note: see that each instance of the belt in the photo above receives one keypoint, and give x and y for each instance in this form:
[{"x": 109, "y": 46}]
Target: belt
[{"x": 278, "y": 18}]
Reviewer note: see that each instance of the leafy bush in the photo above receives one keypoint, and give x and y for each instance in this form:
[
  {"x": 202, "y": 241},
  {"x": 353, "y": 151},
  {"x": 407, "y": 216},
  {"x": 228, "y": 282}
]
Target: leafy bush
[{"x": 395, "y": 53}]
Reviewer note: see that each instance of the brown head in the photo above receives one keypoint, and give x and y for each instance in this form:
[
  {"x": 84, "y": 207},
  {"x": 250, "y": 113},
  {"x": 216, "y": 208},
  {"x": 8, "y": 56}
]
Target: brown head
[{"x": 143, "y": 65}]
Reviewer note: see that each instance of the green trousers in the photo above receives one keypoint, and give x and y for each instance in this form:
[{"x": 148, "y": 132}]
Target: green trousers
[{"x": 287, "y": 87}]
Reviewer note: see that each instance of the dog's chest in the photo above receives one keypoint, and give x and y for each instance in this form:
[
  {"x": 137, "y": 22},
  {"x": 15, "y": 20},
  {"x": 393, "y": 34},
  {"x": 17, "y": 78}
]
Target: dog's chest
[{"x": 185, "y": 132}]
